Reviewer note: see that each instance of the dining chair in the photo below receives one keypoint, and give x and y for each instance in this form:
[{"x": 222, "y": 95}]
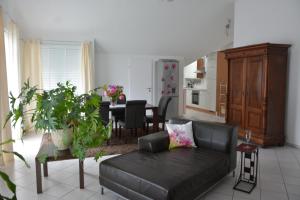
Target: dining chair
[
  {"x": 162, "y": 111},
  {"x": 104, "y": 112},
  {"x": 134, "y": 117},
  {"x": 118, "y": 114}
]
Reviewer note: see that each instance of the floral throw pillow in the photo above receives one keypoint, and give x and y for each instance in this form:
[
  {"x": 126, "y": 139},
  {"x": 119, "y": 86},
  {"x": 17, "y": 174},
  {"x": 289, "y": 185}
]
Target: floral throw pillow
[{"x": 181, "y": 135}]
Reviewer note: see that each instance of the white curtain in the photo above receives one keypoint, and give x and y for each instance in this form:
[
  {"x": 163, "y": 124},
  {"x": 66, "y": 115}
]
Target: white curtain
[
  {"x": 87, "y": 66},
  {"x": 5, "y": 133},
  {"x": 31, "y": 69},
  {"x": 12, "y": 51}
]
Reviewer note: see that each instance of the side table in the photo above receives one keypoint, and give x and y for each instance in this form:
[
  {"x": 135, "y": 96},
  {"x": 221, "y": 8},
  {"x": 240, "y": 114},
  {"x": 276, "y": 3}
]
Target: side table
[
  {"x": 249, "y": 166},
  {"x": 48, "y": 149}
]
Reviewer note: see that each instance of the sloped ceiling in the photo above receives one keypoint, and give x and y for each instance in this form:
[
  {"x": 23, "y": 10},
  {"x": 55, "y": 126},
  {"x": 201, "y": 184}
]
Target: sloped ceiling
[{"x": 187, "y": 28}]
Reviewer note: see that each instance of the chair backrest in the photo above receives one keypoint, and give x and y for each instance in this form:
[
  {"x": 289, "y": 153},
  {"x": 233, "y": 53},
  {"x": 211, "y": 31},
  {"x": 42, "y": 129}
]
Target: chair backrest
[
  {"x": 135, "y": 114},
  {"x": 122, "y": 101},
  {"x": 163, "y": 106},
  {"x": 104, "y": 112}
]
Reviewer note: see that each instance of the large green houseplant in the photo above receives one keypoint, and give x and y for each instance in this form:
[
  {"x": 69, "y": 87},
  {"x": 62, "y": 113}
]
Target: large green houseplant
[{"x": 62, "y": 111}]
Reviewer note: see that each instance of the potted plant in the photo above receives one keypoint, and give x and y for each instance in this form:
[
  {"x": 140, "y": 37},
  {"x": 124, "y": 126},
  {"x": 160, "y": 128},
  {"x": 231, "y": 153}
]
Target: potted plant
[
  {"x": 114, "y": 92},
  {"x": 71, "y": 119}
]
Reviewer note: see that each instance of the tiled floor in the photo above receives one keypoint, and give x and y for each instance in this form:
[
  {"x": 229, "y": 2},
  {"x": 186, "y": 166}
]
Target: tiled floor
[{"x": 279, "y": 178}]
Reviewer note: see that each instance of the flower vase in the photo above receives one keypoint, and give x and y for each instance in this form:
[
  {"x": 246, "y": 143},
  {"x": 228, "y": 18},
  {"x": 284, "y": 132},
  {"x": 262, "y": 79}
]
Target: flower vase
[{"x": 113, "y": 102}]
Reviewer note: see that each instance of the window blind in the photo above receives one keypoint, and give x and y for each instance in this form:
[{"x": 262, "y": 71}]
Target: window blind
[{"x": 61, "y": 63}]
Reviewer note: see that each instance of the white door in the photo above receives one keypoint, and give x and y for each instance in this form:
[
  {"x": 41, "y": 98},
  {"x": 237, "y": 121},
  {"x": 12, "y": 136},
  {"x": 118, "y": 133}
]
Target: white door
[{"x": 140, "y": 79}]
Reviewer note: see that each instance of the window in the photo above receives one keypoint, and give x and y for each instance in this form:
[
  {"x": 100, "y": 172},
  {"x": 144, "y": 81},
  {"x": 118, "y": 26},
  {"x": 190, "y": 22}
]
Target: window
[
  {"x": 12, "y": 56},
  {"x": 12, "y": 66},
  {"x": 61, "y": 63}
]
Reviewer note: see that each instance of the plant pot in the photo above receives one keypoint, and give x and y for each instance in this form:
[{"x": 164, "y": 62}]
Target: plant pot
[{"x": 62, "y": 139}]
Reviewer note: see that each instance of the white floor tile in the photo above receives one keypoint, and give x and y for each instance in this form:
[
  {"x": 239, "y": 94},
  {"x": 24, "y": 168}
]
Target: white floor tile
[
  {"x": 268, "y": 195},
  {"x": 59, "y": 190},
  {"x": 292, "y": 180},
  {"x": 217, "y": 196},
  {"x": 78, "y": 194},
  {"x": 273, "y": 186},
  {"x": 254, "y": 195},
  {"x": 293, "y": 189},
  {"x": 294, "y": 197}
]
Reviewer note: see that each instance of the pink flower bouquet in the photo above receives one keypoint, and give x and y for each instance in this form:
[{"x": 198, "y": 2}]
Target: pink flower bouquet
[{"x": 114, "y": 92}]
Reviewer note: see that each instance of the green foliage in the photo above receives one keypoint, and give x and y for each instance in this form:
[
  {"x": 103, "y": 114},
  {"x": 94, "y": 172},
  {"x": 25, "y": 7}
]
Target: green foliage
[
  {"x": 42, "y": 158},
  {"x": 61, "y": 108},
  {"x": 18, "y": 155},
  {"x": 99, "y": 155},
  {"x": 9, "y": 184},
  {"x": 89, "y": 132}
]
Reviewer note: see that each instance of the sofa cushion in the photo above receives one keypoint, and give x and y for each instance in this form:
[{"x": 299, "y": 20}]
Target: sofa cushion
[
  {"x": 180, "y": 135},
  {"x": 181, "y": 173}
]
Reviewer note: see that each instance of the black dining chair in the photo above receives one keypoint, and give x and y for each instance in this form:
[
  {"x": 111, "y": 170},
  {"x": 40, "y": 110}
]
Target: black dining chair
[
  {"x": 162, "y": 111},
  {"x": 118, "y": 114},
  {"x": 134, "y": 116},
  {"x": 104, "y": 112}
]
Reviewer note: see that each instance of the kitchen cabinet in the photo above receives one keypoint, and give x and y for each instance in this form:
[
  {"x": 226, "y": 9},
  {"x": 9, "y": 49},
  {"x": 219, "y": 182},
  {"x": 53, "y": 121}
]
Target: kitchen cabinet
[
  {"x": 200, "y": 68},
  {"x": 195, "y": 70},
  {"x": 203, "y": 99},
  {"x": 189, "y": 71},
  {"x": 188, "y": 97}
]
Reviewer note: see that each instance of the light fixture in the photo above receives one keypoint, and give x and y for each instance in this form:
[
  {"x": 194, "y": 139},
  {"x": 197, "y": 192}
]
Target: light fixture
[{"x": 227, "y": 27}]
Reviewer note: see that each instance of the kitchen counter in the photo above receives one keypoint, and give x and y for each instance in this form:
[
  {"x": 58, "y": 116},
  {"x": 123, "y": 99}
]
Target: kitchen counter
[
  {"x": 195, "y": 89},
  {"x": 204, "y": 102}
]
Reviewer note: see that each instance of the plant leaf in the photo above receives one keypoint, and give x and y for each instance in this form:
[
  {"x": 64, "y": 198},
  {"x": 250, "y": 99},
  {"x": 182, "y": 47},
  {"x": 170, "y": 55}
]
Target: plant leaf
[
  {"x": 11, "y": 186},
  {"x": 18, "y": 155},
  {"x": 8, "y": 117},
  {"x": 99, "y": 155},
  {"x": 7, "y": 142},
  {"x": 42, "y": 158}
]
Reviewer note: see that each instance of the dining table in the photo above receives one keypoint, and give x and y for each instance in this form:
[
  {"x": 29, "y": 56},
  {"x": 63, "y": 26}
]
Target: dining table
[{"x": 151, "y": 107}]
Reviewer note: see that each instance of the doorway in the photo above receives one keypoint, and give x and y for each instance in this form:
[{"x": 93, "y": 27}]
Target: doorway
[{"x": 140, "y": 79}]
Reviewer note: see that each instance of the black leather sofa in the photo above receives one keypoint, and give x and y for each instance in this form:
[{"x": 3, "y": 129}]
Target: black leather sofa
[{"x": 154, "y": 172}]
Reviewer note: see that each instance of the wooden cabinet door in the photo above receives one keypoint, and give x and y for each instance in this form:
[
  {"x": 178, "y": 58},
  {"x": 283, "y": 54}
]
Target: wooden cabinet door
[
  {"x": 255, "y": 90},
  {"x": 236, "y": 100}
]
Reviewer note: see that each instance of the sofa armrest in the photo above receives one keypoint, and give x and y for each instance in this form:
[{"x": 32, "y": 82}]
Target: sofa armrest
[
  {"x": 154, "y": 143},
  {"x": 233, "y": 153}
]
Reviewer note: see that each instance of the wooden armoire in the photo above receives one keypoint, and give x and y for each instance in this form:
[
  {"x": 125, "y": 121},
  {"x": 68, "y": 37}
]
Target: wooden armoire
[{"x": 257, "y": 77}]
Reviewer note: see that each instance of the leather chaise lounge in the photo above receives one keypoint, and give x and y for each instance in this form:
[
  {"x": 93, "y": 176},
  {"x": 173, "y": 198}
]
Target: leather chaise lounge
[{"x": 155, "y": 172}]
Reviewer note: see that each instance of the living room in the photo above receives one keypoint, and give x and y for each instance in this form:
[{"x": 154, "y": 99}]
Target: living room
[{"x": 137, "y": 75}]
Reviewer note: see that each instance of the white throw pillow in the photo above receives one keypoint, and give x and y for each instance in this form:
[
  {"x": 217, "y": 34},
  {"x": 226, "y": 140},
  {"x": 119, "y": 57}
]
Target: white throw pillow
[{"x": 181, "y": 135}]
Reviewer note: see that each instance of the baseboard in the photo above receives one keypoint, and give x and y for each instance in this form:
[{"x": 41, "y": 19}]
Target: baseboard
[{"x": 293, "y": 145}]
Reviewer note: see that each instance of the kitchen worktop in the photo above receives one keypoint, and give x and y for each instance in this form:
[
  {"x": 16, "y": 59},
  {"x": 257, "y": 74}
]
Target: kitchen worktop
[{"x": 195, "y": 89}]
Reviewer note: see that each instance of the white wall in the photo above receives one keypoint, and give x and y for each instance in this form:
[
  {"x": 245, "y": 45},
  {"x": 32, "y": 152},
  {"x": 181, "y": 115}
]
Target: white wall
[
  {"x": 113, "y": 69},
  {"x": 276, "y": 21},
  {"x": 7, "y": 11}
]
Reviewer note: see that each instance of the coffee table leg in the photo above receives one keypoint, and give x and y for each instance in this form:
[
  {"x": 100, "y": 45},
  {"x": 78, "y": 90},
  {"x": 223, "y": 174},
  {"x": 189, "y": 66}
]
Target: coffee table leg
[
  {"x": 45, "y": 165},
  {"x": 38, "y": 176},
  {"x": 81, "y": 175}
]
